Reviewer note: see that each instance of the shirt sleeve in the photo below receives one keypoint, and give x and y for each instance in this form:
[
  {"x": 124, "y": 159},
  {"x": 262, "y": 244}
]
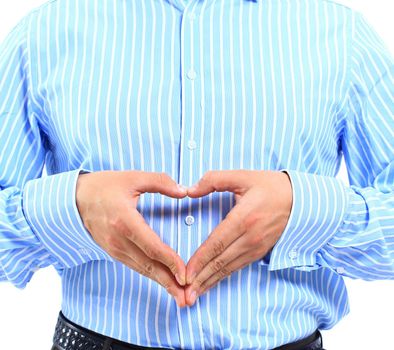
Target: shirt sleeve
[
  {"x": 39, "y": 221},
  {"x": 350, "y": 229}
]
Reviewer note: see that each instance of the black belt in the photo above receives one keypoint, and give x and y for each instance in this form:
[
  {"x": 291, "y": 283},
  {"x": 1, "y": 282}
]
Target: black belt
[{"x": 70, "y": 336}]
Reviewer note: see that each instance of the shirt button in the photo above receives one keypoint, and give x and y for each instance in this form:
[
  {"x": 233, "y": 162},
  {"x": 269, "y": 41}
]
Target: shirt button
[
  {"x": 191, "y": 144},
  {"x": 192, "y": 16},
  {"x": 340, "y": 270},
  {"x": 293, "y": 254},
  {"x": 191, "y": 74},
  {"x": 189, "y": 220}
]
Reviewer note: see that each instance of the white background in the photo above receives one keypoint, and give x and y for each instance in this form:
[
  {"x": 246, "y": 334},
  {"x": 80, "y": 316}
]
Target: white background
[{"x": 28, "y": 317}]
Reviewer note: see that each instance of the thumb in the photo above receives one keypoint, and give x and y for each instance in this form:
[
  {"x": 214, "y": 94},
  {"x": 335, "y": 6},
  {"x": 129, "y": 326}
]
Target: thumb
[
  {"x": 220, "y": 181},
  {"x": 153, "y": 182}
]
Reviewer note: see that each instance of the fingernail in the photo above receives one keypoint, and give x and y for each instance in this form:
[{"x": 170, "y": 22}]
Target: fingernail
[
  {"x": 180, "y": 279},
  {"x": 193, "y": 297},
  {"x": 182, "y": 188},
  {"x": 191, "y": 278}
]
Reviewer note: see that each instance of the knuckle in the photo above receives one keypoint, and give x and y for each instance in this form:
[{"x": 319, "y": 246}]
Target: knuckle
[
  {"x": 218, "y": 247},
  {"x": 256, "y": 241},
  {"x": 237, "y": 220},
  {"x": 209, "y": 284},
  {"x": 130, "y": 235},
  {"x": 149, "y": 268},
  {"x": 198, "y": 282},
  {"x": 224, "y": 272},
  {"x": 251, "y": 220},
  {"x": 200, "y": 264},
  {"x": 217, "y": 265},
  {"x": 113, "y": 242},
  {"x": 116, "y": 223},
  {"x": 172, "y": 266}
]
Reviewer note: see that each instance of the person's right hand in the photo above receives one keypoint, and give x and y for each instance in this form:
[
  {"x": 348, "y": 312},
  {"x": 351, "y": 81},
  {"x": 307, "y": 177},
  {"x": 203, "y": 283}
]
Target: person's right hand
[{"x": 107, "y": 204}]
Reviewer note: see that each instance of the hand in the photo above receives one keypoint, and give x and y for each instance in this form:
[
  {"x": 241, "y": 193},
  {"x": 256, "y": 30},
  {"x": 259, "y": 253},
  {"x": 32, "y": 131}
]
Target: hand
[
  {"x": 107, "y": 203},
  {"x": 249, "y": 231}
]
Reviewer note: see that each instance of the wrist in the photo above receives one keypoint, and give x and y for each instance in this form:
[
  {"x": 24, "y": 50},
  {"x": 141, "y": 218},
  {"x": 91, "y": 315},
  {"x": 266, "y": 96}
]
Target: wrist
[{"x": 319, "y": 204}]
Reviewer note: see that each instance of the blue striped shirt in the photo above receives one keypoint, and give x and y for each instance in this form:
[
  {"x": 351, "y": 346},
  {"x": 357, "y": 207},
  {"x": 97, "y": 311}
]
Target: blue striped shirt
[{"x": 184, "y": 87}]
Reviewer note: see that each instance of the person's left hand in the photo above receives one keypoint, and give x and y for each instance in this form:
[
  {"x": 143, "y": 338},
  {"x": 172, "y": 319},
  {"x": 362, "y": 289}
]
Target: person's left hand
[{"x": 249, "y": 231}]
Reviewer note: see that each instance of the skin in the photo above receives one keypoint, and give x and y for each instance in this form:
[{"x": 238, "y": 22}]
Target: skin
[
  {"x": 107, "y": 202},
  {"x": 248, "y": 232}
]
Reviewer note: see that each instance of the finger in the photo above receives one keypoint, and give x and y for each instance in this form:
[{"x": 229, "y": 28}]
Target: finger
[
  {"x": 154, "y": 270},
  {"x": 221, "y": 237},
  {"x": 218, "y": 265},
  {"x": 153, "y": 182},
  {"x": 141, "y": 234},
  {"x": 224, "y": 180},
  {"x": 235, "y": 265}
]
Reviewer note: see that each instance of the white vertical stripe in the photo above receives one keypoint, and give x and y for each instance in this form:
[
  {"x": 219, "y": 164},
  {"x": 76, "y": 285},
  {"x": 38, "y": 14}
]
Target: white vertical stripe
[{"x": 99, "y": 85}]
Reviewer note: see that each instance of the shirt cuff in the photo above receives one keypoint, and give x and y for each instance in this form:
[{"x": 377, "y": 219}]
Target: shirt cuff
[
  {"x": 319, "y": 206},
  {"x": 50, "y": 208}
]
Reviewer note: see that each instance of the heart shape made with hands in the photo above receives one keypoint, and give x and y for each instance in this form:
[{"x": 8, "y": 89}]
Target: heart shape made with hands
[{"x": 248, "y": 232}]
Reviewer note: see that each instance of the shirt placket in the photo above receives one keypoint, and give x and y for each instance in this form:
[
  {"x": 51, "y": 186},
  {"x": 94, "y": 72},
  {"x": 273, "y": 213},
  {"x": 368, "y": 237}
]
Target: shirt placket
[{"x": 189, "y": 227}]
